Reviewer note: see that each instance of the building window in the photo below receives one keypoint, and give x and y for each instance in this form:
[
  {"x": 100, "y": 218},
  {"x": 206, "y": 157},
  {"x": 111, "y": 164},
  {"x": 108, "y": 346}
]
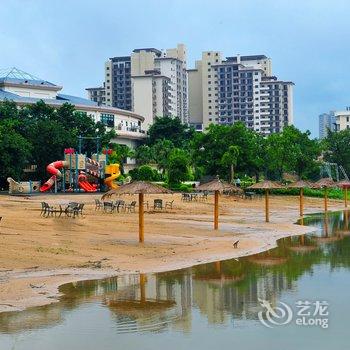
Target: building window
[{"x": 107, "y": 120}]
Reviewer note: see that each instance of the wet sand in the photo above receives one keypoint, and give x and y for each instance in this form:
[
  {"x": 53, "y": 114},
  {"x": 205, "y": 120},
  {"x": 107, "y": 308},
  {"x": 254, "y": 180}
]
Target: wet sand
[{"x": 38, "y": 254}]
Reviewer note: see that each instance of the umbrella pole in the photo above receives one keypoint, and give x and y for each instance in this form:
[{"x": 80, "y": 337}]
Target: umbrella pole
[
  {"x": 326, "y": 199},
  {"x": 141, "y": 219},
  {"x": 301, "y": 202},
  {"x": 216, "y": 210},
  {"x": 267, "y": 219},
  {"x": 142, "y": 287},
  {"x": 346, "y": 196}
]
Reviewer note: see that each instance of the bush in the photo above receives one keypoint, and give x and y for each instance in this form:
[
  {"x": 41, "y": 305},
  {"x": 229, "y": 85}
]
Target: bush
[
  {"x": 145, "y": 173},
  {"x": 334, "y": 193},
  {"x": 180, "y": 187}
]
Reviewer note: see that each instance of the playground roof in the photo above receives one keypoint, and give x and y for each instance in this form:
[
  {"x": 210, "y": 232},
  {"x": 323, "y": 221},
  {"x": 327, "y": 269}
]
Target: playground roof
[{"x": 17, "y": 76}]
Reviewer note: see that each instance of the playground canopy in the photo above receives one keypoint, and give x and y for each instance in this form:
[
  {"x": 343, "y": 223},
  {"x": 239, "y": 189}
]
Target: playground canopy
[
  {"x": 218, "y": 186},
  {"x": 266, "y": 185},
  {"x": 141, "y": 188}
]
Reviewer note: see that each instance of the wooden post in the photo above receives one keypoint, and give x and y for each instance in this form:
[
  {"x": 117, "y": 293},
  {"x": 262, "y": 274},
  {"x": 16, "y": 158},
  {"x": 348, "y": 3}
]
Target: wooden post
[
  {"x": 218, "y": 266},
  {"x": 141, "y": 219},
  {"x": 267, "y": 218},
  {"x": 346, "y": 196},
  {"x": 143, "y": 287},
  {"x": 325, "y": 199},
  {"x": 301, "y": 202},
  {"x": 326, "y": 224},
  {"x": 216, "y": 210}
]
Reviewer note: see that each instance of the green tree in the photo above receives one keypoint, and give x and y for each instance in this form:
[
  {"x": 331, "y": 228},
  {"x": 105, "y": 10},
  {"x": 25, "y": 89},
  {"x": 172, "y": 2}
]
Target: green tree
[
  {"x": 144, "y": 154},
  {"x": 209, "y": 147},
  {"x": 230, "y": 158},
  {"x": 336, "y": 148},
  {"x": 291, "y": 151},
  {"x": 168, "y": 128},
  {"x": 14, "y": 150},
  {"x": 145, "y": 173},
  {"x": 161, "y": 151},
  {"x": 178, "y": 166}
]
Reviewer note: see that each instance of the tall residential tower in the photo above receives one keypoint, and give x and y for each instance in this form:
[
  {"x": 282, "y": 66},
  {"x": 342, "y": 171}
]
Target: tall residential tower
[{"x": 240, "y": 88}]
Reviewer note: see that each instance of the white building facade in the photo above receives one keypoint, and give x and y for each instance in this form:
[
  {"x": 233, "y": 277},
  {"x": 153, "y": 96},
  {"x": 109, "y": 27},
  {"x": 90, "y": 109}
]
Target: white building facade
[{"x": 24, "y": 89}]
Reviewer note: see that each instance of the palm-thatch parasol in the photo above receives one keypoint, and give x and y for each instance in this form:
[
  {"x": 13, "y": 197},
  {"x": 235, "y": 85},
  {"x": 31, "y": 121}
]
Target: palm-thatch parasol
[
  {"x": 325, "y": 184},
  {"x": 217, "y": 186},
  {"x": 300, "y": 185},
  {"x": 344, "y": 184},
  {"x": 267, "y": 186},
  {"x": 141, "y": 188}
]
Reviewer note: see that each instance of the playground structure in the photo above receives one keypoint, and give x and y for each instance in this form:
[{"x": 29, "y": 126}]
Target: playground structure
[
  {"x": 23, "y": 187},
  {"x": 78, "y": 172},
  {"x": 333, "y": 171}
]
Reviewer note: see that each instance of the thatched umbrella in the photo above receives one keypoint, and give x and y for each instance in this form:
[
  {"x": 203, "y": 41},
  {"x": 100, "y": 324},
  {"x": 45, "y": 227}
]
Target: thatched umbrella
[
  {"x": 325, "y": 184},
  {"x": 141, "y": 188},
  {"x": 344, "y": 184},
  {"x": 217, "y": 186},
  {"x": 267, "y": 186},
  {"x": 300, "y": 185}
]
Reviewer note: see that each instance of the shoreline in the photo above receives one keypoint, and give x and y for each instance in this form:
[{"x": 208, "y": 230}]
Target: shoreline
[{"x": 31, "y": 287}]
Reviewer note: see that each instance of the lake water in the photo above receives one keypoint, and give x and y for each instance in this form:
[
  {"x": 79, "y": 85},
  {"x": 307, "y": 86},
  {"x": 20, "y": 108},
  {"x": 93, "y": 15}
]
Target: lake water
[{"x": 304, "y": 283}]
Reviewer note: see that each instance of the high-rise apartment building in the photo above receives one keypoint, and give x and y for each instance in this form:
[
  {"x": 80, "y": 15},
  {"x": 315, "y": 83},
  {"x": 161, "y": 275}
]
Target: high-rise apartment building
[
  {"x": 151, "y": 92},
  {"x": 326, "y": 121},
  {"x": 118, "y": 82},
  {"x": 166, "y": 69},
  {"x": 333, "y": 121},
  {"x": 239, "y": 88},
  {"x": 97, "y": 94}
]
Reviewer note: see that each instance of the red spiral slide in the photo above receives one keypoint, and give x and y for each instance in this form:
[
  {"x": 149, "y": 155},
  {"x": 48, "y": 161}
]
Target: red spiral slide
[{"x": 53, "y": 169}]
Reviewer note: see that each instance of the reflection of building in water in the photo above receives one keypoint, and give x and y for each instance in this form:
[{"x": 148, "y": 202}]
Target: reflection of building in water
[{"x": 220, "y": 303}]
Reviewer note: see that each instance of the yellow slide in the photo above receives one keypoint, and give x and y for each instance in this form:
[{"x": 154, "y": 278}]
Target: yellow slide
[{"x": 114, "y": 172}]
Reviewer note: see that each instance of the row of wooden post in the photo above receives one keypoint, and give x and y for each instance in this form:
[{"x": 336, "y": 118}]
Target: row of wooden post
[{"x": 216, "y": 208}]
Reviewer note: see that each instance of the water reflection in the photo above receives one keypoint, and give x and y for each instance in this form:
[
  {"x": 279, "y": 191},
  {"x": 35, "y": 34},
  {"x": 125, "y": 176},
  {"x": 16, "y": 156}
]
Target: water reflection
[{"x": 222, "y": 292}]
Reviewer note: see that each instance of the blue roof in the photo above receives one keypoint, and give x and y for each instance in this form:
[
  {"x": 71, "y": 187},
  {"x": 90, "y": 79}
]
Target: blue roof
[
  {"x": 76, "y": 100},
  {"x": 59, "y": 100},
  {"x": 17, "y": 76}
]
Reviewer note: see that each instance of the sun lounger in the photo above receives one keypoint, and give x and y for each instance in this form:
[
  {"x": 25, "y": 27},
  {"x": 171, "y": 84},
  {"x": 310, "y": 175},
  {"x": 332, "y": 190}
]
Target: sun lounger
[{"x": 235, "y": 244}]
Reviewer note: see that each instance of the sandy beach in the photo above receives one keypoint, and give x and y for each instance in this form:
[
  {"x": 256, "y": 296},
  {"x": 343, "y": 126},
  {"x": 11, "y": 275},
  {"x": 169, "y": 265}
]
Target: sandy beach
[{"x": 40, "y": 254}]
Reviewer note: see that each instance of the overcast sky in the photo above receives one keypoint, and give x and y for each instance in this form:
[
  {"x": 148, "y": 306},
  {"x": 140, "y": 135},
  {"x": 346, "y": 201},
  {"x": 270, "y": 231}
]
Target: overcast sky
[{"x": 67, "y": 41}]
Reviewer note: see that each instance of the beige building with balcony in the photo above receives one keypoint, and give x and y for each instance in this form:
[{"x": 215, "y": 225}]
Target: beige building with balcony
[{"x": 240, "y": 88}]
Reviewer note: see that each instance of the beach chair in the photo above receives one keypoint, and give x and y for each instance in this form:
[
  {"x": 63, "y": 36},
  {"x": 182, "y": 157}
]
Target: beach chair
[
  {"x": 71, "y": 209},
  {"x": 98, "y": 204},
  {"x": 109, "y": 207},
  {"x": 158, "y": 204},
  {"x": 78, "y": 210},
  {"x": 131, "y": 207},
  {"x": 186, "y": 197},
  {"x": 235, "y": 244},
  {"x": 169, "y": 204},
  {"x": 120, "y": 205}
]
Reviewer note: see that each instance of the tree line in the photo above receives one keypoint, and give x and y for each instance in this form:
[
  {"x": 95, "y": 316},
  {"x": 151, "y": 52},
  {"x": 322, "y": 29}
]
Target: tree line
[{"x": 172, "y": 152}]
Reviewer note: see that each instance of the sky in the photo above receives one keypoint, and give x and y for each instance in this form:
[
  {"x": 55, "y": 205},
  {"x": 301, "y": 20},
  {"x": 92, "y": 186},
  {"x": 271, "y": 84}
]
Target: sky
[{"x": 68, "y": 41}]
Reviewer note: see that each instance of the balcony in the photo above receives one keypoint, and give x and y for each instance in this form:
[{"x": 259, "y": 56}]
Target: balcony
[{"x": 130, "y": 131}]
